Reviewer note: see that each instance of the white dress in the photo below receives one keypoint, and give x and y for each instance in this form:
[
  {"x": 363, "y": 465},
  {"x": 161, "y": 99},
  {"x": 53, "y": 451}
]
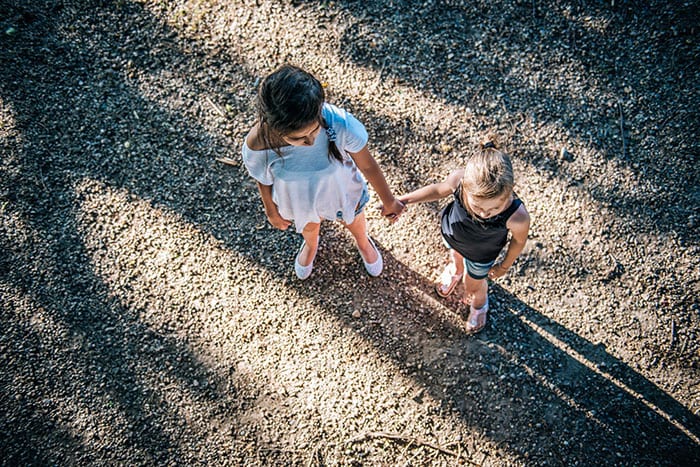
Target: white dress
[{"x": 309, "y": 185}]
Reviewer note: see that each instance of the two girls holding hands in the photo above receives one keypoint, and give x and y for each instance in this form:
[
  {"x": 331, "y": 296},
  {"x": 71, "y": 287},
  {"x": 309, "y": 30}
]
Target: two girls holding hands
[{"x": 310, "y": 161}]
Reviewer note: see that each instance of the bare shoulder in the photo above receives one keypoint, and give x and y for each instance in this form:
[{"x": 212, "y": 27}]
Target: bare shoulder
[
  {"x": 255, "y": 140},
  {"x": 454, "y": 178},
  {"x": 519, "y": 220}
]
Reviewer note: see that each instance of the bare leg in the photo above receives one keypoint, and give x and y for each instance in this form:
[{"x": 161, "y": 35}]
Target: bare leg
[
  {"x": 475, "y": 291},
  {"x": 358, "y": 229},
  {"x": 310, "y": 234},
  {"x": 457, "y": 261}
]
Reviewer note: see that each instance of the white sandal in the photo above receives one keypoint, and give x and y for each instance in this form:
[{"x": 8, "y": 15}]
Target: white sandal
[
  {"x": 447, "y": 281},
  {"x": 476, "y": 321}
]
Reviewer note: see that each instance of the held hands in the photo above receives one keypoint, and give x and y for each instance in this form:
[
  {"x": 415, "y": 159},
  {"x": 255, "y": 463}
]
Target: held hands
[
  {"x": 392, "y": 210},
  {"x": 497, "y": 271}
]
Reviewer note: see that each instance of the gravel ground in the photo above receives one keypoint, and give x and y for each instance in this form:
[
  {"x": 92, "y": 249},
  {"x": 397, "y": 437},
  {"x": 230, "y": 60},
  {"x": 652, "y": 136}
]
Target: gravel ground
[{"x": 149, "y": 315}]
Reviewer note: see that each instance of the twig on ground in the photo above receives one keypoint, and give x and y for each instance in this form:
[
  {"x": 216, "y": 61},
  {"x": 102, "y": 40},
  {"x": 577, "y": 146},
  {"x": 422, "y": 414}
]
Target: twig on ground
[
  {"x": 405, "y": 449},
  {"x": 418, "y": 451},
  {"x": 673, "y": 334},
  {"x": 313, "y": 457},
  {"x": 622, "y": 130},
  {"x": 378, "y": 81},
  {"x": 459, "y": 449},
  {"x": 684, "y": 346},
  {"x": 244, "y": 23},
  {"x": 41, "y": 179},
  {"x": 227, "y": 161},
  {"x": 486, "y": 454},
  {"x": 404, "y": 439},
  {"x": 218, "y": 109}
]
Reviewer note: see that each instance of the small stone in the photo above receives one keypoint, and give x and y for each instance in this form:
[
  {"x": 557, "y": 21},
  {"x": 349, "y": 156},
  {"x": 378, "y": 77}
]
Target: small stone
[
  {"x": 356, "y": 314},
  {"x": 566, "y": 155}
]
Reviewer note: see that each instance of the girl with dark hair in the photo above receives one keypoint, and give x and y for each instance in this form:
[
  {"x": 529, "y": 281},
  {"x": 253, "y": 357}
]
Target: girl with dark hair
[
  {"x": 475, "y": 226},
  {"x": 310, "y": 161}
]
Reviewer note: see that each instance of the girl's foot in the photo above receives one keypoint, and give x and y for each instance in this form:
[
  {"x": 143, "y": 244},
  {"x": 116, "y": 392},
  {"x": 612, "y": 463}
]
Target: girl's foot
[
  {"x": 476, "y": 321},
  {"x": 448, "y": 281},
  {"x": 373, "y": 269},
  {"x": 302, "y": 272}
]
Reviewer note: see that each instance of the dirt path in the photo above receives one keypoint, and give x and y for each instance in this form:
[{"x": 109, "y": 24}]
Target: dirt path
[{"x": 149, "y": 314}]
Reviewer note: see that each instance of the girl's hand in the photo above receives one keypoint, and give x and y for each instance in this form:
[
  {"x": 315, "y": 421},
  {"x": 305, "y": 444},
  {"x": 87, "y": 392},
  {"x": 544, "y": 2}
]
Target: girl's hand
[
  {"x": 393, "y": 210},
  {"x": 497, "y": 271},
  {"x": 279, "y": 222}
]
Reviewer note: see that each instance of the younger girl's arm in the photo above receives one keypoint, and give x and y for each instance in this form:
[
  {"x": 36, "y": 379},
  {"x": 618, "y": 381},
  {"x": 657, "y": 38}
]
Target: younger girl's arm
[
  {"x": 273, "y": 214},
  {"x": 435, "y": 191},
  {"x": 519, "y": 225},
  {"x": 391, "y": 206}
]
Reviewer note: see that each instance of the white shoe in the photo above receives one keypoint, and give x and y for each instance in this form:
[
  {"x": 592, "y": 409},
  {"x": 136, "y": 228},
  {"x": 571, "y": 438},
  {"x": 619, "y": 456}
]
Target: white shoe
[
  {"x": 375, "y": 268},
  {"x": 302, "y": 272}
]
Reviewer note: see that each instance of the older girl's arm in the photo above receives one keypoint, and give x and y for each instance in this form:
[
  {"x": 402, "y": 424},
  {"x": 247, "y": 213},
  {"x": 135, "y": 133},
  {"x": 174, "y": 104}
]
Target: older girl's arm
[
  {"x": 271, "y": 211},
  {"x": 391, "y": 206}
]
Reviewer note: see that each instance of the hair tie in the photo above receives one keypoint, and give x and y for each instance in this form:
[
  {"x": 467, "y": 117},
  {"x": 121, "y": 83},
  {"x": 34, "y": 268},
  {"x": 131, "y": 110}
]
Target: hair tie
[
  {"x": 489, "y": 145},
  {"x": 330, "y": 132}
]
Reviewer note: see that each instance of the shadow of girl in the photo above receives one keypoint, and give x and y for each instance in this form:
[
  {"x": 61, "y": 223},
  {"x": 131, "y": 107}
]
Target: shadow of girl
[{"x": 525, "y": 381}]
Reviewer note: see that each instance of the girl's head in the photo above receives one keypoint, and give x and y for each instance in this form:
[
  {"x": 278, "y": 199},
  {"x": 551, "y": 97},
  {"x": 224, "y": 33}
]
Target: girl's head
[
  {"x": 289, "y": 105},
  {"x": 290, "y": 102},
  {"x": 487, "y": 184}
]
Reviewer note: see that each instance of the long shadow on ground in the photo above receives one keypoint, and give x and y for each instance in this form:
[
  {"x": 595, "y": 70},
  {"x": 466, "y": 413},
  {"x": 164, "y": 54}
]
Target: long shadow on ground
[
  {"x": 593, "y": 402},
  {"x": 112, "y": 360},
  {"x": 491, "y": 59},
  {"x": 61, "y": 326}
]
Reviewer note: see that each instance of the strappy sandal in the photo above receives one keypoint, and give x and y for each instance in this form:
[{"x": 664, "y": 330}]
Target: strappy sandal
[
  {"x": 447, "y": 282},
  {"x": 476, "y": 321}
]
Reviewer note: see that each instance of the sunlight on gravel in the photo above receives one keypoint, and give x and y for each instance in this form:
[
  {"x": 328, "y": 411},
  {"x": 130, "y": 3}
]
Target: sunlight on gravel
[
  {"x": 149, "y": 314},
  {"x": 185, "y": 284}
]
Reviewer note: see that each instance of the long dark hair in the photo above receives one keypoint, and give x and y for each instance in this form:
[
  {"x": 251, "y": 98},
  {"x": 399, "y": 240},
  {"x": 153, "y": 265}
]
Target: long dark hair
[{"x": 290, "y": 99}]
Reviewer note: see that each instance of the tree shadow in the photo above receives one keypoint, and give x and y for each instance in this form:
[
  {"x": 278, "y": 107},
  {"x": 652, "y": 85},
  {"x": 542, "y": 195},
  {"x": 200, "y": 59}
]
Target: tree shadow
[
  {"x": 109, "y": 366},
  {"x": 490, "y": 64},
  {"x": 88, "y": 362},
  {"x": 526, "y": 382},
  {"x": 113, "y": 351}
]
